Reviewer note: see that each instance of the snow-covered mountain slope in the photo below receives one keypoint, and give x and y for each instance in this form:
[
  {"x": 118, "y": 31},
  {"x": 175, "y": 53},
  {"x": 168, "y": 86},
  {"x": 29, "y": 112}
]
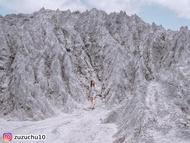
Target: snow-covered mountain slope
[{"x": 48, "y": 58}]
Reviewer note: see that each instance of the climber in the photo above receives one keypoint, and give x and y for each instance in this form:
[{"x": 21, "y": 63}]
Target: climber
[{"x": 92, "y": 93}]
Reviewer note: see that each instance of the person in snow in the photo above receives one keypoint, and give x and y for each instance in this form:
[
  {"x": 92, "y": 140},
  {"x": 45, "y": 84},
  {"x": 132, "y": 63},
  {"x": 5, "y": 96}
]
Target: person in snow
[{"x": 92, "y": 93}]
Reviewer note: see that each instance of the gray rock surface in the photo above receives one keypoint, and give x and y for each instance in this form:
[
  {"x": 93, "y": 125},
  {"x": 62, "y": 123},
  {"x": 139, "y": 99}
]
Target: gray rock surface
[{"x": 48, "y": 58}]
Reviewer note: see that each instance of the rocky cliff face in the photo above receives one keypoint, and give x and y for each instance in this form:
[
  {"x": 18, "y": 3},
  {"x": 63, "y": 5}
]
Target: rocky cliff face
[{"x": 48, "y": 58}]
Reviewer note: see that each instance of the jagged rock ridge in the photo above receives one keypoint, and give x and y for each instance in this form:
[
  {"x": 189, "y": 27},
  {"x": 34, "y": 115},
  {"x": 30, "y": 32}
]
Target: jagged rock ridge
[{"x": 48, "y": 58}]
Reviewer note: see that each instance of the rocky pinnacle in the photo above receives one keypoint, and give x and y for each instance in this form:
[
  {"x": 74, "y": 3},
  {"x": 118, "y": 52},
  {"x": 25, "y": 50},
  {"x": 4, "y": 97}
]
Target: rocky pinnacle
[{"x": 142, "y": 71}]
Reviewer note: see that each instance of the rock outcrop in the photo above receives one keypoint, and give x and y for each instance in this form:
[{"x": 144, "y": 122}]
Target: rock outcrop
[{"x": 48, "y": 58}]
